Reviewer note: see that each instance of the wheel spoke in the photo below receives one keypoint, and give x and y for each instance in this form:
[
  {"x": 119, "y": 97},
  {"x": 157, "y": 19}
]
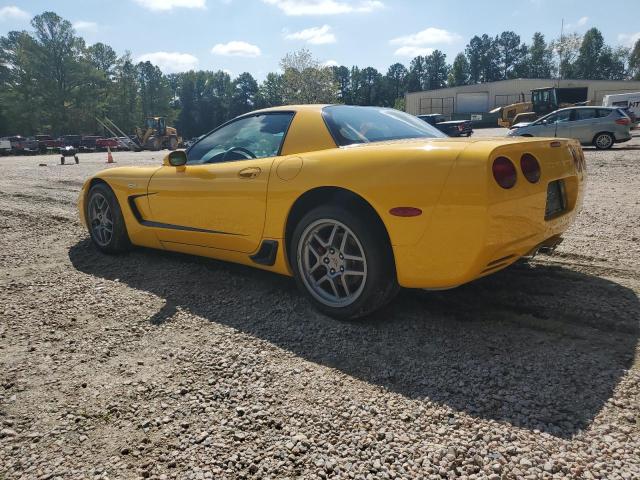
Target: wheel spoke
[
  {"x": 344, "y": 285},
  {"x": 332, "y": 236},
  {"x": 319, "y": 240},
  {"x": 353, "y": 258},
  {"x": 354, "y": 273},
  {"x": 333, "y": 287}
]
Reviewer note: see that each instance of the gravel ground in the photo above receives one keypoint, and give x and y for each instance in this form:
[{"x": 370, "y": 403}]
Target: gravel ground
[{"x": 158, "y": 365}]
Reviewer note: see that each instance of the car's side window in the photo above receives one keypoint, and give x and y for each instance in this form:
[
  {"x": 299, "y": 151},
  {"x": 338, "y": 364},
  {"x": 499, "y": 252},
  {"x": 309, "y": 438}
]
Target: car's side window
[
  {"x": 256, "y": 136},
  {"x": 603, "y": 113},
  {"x": 585, "y": 114},
  {"x": 564, "y": 116}
]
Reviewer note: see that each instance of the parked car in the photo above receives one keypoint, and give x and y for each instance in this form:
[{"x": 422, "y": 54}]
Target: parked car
[
  {"x": 72, "y": 141},
  {"x": 48, "y": 143},
  {"x": 5, "y": 146},
  {"x": 104, "y": 143},
  {"x": 453, "y": 128},
  {"x": 353, "y": 202},
  {"x": 21, "y": 145},
  {"x": 597, "y": 126},
  {"x": 88, "y": 143},
  {"x": 631, "y": 114}
]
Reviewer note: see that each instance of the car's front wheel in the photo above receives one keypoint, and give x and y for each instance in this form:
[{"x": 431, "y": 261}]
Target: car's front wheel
[
  {"x": 105, "y": 221},
  {"x": 343, "y": 262}
]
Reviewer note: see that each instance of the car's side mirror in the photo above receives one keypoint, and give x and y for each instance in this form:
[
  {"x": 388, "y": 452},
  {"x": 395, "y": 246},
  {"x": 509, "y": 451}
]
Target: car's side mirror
[{"x": 177, "y": 158}]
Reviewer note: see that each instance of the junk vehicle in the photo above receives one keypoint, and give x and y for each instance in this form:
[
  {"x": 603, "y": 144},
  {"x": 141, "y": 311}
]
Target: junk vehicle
[{"x": 453, "y": 128}]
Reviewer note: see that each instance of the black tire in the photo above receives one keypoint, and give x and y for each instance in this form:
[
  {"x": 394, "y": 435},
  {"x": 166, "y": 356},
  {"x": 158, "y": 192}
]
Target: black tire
[
  {"x": 603, "y": 141},
  {"x": 380, "y": 284},
  {"x": 119, "y": 240},
  {"x": 61, "y": 160},
  {"x": 173, "y": 143},
  {"x": 76, "y": 159}
]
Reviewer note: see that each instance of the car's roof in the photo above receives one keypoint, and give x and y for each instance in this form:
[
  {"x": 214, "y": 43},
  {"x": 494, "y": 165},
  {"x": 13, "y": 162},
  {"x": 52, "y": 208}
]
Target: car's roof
[
  {"x": 583, "y": 107},
  {"x": 293, "y": 108}
]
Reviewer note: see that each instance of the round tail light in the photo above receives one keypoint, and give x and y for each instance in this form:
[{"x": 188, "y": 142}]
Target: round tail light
[
  {"x": 504, "y": 172},
  {"x": 530, "y": 167}
]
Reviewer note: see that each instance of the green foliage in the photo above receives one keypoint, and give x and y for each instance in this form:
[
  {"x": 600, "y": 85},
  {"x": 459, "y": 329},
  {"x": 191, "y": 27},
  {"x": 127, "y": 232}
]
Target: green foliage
[
  {"x": 51, "y": 82},
  {"x": 634, "y": 62}
]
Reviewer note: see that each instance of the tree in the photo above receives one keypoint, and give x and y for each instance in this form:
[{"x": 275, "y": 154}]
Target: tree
[
  {"x": 370, "y": 87},
  {"x": 566, "y": 49},
  {"x": 539, "y": 61},
  {"x": 510, "y": 53},
  {"x": 436, "y": 70},
  {"x": 245, "y": 91},
  {"x": 396, "y": 79},
  {"x": 634, "y": 62},
  {"x": 588, "y": 59},
  {"x": 459, "y": 74},
  {"x": 57, "y": 54},
  {"x": 415, "y": 78},
  {"x": 20, "y": 97},
  {"x": 305, "y": 80},
  {"x": 482, "y": 54},
  {"x": 342, "y": 78},
  {"x": 271, "y": 92}
]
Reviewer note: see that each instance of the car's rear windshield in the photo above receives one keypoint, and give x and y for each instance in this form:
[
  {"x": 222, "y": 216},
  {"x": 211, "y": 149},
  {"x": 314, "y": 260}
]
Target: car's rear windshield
[{"x": 350, "y": 124}]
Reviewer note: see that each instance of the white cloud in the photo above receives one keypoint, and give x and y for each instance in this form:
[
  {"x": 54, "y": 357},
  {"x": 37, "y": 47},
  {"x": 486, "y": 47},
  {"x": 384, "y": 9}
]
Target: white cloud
[
  {"x": 413, "y": 51},
  {"x": 170, "y": 62},
  {"x": 84, "y": 26},
  {"x": 11, "y": 12},
  {"x": 315, "y": 35},
  {"x": 330, "y": 63},
  {"x": 325, "y": 7},
  {"x": 426, "y": 37},
  {"x": 581, "y": 22},
  {"x": 164, "y": 5},
  {"x": 629, "y": 39},
  {"x": 236, "y": 49}
]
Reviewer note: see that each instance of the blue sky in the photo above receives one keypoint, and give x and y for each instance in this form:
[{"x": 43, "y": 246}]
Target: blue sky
[{"x": 252, "y": 35}]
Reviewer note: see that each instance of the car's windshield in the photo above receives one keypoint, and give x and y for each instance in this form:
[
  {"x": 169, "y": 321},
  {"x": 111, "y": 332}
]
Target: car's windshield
[{"x": 349, "y": 125}]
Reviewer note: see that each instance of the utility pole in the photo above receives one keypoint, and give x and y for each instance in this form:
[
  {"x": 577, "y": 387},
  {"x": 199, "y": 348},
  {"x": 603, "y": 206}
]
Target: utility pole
[{"x": 561, "y": 51}]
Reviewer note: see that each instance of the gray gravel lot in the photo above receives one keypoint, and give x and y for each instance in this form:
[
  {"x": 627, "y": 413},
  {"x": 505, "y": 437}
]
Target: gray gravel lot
[{"x": 159, "y": 365}]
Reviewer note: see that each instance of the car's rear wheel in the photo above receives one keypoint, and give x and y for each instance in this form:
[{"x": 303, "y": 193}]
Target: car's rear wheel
[
  {"x": 105, "y": 221},
  {"x": 343, "y": 262},
  {"x": 603, "y": 141}
]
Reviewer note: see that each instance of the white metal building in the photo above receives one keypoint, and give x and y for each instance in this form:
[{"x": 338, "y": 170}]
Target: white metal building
[{"x": 483, "y": 97}]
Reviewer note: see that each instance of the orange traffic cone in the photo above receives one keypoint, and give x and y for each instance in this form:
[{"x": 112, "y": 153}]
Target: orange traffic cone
[{"x": 109, "y": 156}]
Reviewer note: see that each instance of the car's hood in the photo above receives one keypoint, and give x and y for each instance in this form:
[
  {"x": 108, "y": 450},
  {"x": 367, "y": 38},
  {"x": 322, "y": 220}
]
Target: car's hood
[{"x": 521, "y": 124}]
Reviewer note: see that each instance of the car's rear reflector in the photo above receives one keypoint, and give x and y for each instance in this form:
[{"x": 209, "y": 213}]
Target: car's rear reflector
[
  {"x": 405, "y": 211},
  {"x": 623, "y": 121},
  {"x": 504, "y": 172},
  {"x": 530, "y": 167}
]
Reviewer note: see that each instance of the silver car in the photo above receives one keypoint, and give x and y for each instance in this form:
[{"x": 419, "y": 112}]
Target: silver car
[{"x": 597, "y": 126}]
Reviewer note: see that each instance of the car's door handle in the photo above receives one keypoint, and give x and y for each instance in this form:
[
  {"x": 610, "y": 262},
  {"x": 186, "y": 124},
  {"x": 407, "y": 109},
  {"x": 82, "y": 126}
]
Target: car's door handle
[{"x": 250, "y": 172}]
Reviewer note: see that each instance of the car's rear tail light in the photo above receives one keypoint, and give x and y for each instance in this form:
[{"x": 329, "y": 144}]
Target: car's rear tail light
[
  {"x": 530, "y": 167},
  {"x": 504, "y": 172},
  {"x": 460, "y": 128},
  {"x": 623, "y": 121}
]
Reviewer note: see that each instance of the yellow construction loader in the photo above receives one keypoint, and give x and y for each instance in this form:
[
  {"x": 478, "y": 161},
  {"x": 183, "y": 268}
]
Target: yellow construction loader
[
  {"x": 156, "y": 135},
  {"x": 543, "y": 101}
]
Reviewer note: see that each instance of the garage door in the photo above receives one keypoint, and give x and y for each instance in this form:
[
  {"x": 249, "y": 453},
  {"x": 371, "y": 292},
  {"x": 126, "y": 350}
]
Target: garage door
[{"x": 472, "y": 102}]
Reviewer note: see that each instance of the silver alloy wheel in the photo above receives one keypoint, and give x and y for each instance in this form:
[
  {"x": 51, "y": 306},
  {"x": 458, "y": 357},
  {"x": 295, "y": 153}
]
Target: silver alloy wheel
[
  {"x": 332, "y": 263},
  {"x": 100, "y": 219},
  {"x": 604, "y": 141}
]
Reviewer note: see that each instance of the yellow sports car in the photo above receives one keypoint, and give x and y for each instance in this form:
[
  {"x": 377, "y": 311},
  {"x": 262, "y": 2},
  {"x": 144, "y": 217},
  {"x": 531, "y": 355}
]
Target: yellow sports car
[{"x": 352, "y": 201}]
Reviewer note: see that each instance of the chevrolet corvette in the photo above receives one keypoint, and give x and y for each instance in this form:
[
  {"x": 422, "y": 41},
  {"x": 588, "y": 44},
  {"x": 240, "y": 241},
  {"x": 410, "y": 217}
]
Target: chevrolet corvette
[{"x": 353, "y": 202}]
